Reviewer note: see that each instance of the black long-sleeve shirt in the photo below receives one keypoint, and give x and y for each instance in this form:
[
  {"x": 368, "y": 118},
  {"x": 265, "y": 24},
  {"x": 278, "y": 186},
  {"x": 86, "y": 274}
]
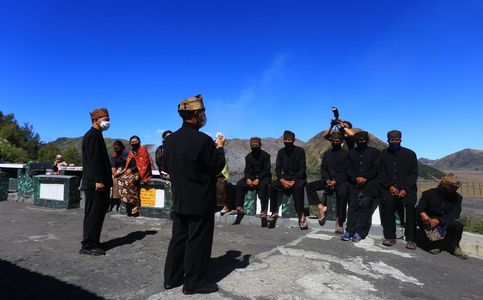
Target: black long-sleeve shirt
[
  {"x": 159, "y": 156},
  {"x": 400, "y": 169},
  {"x": 438, "y": 204},
  {"x": 257, "y": 166},
  {"x": 96, "y": 164},
  {"x": 364, "y": 162},
  {"x": 334, "y": 166},
  {"x": 291, "y": 165},
  {"x": 193, "y": 162}
]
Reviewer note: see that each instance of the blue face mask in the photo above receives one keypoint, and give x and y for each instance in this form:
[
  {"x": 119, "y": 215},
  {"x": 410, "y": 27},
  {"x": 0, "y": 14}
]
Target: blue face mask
[{"x": 394, "y": 146}]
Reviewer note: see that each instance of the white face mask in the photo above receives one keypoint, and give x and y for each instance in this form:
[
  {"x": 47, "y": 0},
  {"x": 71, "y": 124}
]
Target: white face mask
[{"x": 104, "y": 125}]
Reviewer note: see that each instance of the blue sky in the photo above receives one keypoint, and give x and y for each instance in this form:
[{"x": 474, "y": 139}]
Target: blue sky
[{"x": 262, "y": 67}]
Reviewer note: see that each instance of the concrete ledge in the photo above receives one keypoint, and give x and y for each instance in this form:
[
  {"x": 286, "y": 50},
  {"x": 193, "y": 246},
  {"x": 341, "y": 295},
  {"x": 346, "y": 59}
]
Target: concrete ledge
[{"x": 471, "y": 243}]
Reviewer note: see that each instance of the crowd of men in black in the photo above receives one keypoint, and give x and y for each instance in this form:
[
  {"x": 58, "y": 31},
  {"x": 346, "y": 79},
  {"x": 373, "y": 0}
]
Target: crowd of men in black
[{"x": 361, "y": 177}]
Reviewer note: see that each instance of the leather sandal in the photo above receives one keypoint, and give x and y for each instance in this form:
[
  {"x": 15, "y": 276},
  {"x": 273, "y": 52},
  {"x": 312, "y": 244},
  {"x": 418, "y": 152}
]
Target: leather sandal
[
  {"x": 263, "y": 218},
  {"x": 272, "y": 221},
  {"x": 240, "y": 213},
  {"x": 322, "y": 218}
]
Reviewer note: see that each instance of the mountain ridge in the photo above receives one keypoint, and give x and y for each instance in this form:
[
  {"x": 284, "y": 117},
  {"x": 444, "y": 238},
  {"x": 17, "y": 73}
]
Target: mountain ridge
[
  {"x": 236, "y": 149},
  {"x": 463, "y": 160}
]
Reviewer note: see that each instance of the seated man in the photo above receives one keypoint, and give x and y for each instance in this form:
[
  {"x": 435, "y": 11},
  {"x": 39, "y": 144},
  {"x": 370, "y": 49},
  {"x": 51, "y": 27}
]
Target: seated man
[
  {"x": 438, "y": 214},
  {"x": 222, "y": 188},
  {"x": 257, "y": 177},
  {"x": 291, "y": 174},
  {"x": 333, "y": 172},
  {"x": 58, "y": 164}
]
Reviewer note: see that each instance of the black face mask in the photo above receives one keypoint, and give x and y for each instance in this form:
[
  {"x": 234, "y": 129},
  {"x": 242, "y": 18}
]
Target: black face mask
[
  {"x": 135, "y": 146},
  {"x": 361, "y": 145},
  {"x": 336, "y": 146},
  {"x": 256, "y": 150},
  {"x": 289, "y": 146},
  {"x": 447, "y": 191},
  {"x": 118, "y": 151},
  {"x": 394, "y": 146}
]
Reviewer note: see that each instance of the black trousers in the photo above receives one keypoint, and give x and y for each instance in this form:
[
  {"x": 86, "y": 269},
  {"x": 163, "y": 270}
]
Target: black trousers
[
  {"x": 129, "y": 207},
  {"x": 189, "y": 250},
  {"x": 341, "y": 194},
  {"x": 452, "y": 239},
  {"x": 96, "y": 205},
  {"x": 261, "y": 189},
  {"x": 277, "y": 190},
  {"x": 359, "y": 214},
  {"x": 390, "y": 206},
  {"x": 230, "y": 194}
]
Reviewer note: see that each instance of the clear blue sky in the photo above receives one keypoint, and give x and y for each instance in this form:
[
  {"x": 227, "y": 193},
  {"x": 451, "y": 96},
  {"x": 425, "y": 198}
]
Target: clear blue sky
[{"x": 262, "y": 66}]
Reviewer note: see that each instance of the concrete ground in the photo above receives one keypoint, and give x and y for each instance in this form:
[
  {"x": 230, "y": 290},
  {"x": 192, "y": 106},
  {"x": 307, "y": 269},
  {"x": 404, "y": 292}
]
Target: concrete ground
[{"x": 39, "y": 260}]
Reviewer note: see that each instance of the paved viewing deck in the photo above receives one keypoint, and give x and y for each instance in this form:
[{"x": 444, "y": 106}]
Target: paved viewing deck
[{"x": 39, "y": 260}]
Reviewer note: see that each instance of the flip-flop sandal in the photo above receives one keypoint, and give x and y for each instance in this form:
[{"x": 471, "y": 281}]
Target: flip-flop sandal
[
  {"x": 304, "y": 225},
  {"x": 135, "y": 211},
  {"x": 339, "y": 231},
  {"x": 322, "y": 220}
]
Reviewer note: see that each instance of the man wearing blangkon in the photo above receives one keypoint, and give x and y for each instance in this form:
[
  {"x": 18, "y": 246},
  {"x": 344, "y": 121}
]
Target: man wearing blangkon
[
  {"x": 193, "y": 161},
  {"x": 96, "y": 182},
  {"x": 438, "y": 213},
  {"x": 398, "y": 177}
]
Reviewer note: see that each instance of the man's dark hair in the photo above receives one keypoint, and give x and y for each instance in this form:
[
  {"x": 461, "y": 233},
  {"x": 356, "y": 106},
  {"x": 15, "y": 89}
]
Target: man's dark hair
[
  {"x": 119, "y": 144},
  {"x": 135, "y": 137},
  {"x": 186, "y": 114},
  {"x": 166, "y": 133}
]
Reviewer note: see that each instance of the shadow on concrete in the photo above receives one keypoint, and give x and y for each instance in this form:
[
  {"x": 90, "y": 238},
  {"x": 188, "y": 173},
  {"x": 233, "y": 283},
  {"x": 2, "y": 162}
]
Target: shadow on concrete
[
  {"x": 20, "y": 283},
  {"x": 222, "y": 266},
  {"x": 128, "y": 239}
]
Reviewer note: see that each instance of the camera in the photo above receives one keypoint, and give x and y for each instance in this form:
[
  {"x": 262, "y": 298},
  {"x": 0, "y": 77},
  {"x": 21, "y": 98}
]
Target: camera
[{"x": 336, "y": 119}]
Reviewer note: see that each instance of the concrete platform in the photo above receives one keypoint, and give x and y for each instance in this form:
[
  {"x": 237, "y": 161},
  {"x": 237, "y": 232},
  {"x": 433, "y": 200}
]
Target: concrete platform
[
  {"x": 39, "y": 259},
  {"x": 472, "y": 244}
]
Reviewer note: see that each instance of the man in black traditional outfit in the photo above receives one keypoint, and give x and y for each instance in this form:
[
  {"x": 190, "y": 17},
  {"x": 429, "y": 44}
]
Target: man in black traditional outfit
[
  {"x": 333, "y": 172},
  {"x": 363, "y": 191},
  {"x": 96, "y": 182},
  {"x": 290, "y": 169},
  {"x": 193, "y": 161},
  {"x": 438, "y": 212},
  {"x": 159, "y": 156},
  {"x": 398, "y": 177},
  {"x": 257, "y": 177}
]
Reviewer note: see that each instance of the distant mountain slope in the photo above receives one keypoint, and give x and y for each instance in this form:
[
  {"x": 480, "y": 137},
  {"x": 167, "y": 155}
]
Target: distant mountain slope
[
  {"x": 236, "y": 150},
  {"x": 317, "y": 145},
  {"x": 464, "y": 160},
  {"x": 64, "y": 143}
]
